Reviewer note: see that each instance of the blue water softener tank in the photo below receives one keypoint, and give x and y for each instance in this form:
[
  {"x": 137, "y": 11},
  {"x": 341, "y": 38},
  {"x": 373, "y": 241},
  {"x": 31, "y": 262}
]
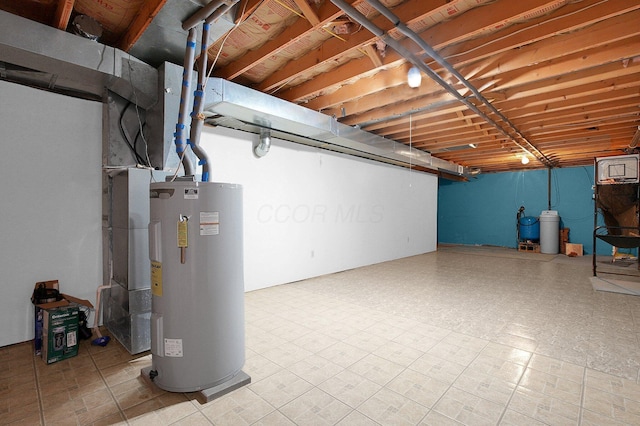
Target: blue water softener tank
[{"x": 529, "y": 228}]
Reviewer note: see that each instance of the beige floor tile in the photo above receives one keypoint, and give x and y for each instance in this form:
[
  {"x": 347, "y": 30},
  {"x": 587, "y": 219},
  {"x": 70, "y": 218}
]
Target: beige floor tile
[
  {"x": 290, "y": 331},
  {"x": 417, "y": 341},
  {"x": 433, "y": 418},
  {"x": 609, "y": 383},
  {"x": 611, "y": 405},
  {"x": 259, "y": 367},
  {"x": 422, "y": 389},
  {"x": 18, "y": 411},
  {"x": 437, "y": 368},
  {"x": 513, "y": 418},
  {"x": 343, "y": 354},
  {"x": 350, "y": 388},
  {"x": 558, "y": 368},
  {"x": 376, "y": 369},
  {"x": 387, "y": 407},
  {"x": 275, "y": 418},
  {"x": 590, "y": 418},
  {"x": 195, "y": 419},
  {"x": 398, "y": 353},
  {"x": 554, "y": 386},
  {"x": 315, "y": 341},
  {"x": 467, "y": 408},
  {"x": 385, "y": 330},
  {"x": 144, "y": 413},
  {"x": 315, "y": 369},
  {"x": 485, "y": 386},
  {"x": 366, "y": 341},
  {"x": 261, "y": 341},
  {"x": 499, "y": 368},
  {"x": 466, "y": 331},
  {"x": 240, "y": 407},
  {"x": 315, "y": 407},
  {"x": 455, "y": 352},
  {"x": 515, "y": 341},
  {"x": 280, "y": 388},
  {"x": 506, "y": 353},
  {"x": 286, "y": 354},
  {"x": 356, "y": 418},
  {"x": 544, "y": 408}
]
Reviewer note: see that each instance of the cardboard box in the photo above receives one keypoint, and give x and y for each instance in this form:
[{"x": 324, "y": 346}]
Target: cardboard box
[
  {"x": 573, "y": 249},
  {"x": 59, "y": 333},
  {"x": 56, "y": 324}
]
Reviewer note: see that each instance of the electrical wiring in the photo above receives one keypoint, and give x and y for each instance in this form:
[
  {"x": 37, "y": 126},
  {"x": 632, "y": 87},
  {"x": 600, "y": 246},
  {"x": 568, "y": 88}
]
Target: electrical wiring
[
  {"x": 140, "y": 126},
  {"x": 215, "y": 61},
  {"x": 126, "y": 136}
]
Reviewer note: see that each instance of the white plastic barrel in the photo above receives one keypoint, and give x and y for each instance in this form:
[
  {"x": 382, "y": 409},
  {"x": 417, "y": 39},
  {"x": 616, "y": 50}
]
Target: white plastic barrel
[{"x": 549, "y": 232}]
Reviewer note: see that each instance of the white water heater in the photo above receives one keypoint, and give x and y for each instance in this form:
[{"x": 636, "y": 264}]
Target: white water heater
[{"x": 197, "y": 285}]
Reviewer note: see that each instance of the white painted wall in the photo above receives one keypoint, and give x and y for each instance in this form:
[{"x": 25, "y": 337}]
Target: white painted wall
[
  {"x": 310, "y": 212},
  {"x": 50, "y": 208},
  {"x": 307, "y": 212}
]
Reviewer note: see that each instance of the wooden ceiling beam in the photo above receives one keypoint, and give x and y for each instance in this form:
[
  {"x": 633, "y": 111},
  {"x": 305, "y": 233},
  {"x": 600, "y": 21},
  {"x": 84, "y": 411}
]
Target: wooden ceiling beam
[
  {"x": 63, "y": 14},
  {"x": 593, "y": 121},
  {"x": 577, "y": 106},
  {"x": 245, "y": 9},
  {"x": 581, "y": 117},
  {"x": 571, "y": 134},
  {"x": 334, "y": 48},
  {"x": 440, "y": 129},
  {"x": 543, "y": 71},
  {"x": 569, "y": 18},
  {"x": 616, "y": 32},
  {"x": 308, "y": 12},
  {"x": 327, "y": 13},
  {"x": 551, "y": 70},
  {"x": 141, "y": 22},
  {"x": 303, "y": 91},
  {"x": 392, "y": 114},
  {"x": 373, "y": 54},
  {"x": 603, "y": 76},
  {"x": 480, "y": 20},
  {"x": 444, "y": 114},
  {"x": 605, "y": 88}
]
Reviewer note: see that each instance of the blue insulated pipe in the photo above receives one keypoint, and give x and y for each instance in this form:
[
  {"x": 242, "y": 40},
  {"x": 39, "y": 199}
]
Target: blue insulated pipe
[{"x": 189, "y": 59}]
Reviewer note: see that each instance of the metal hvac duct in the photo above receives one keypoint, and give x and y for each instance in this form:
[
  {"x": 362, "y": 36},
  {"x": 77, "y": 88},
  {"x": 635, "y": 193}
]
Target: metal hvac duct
[{"x": 232, "y": 105}]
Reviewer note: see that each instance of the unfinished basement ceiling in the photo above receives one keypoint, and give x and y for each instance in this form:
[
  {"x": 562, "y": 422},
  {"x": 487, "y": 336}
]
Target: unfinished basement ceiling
[{"x": 561, "y": 78}]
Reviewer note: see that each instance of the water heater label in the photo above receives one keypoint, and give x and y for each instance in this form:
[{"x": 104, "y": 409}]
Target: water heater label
[
  {"x": 156, "y": 278},
  {"x": 173, "y": 347},
  {"x": 209, "y": 223},
  {"x": 191, "y": 193}
]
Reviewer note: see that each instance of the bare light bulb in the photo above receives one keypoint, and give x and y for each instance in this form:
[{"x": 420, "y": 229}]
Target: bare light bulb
[
  {"x": 414, "y": 78},
  {"x": 525, "y": 159}
]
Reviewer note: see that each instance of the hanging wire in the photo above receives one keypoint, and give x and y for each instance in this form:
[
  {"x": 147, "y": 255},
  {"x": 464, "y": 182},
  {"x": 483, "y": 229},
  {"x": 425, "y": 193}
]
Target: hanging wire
[
  {"x": 215, "y": 61},
  {"x": 410, "y": 146},
  {"x": 140, "y": 126}
]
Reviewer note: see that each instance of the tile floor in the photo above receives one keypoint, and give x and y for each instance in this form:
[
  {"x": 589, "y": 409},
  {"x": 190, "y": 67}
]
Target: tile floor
[{"x": 464, "y": 335}]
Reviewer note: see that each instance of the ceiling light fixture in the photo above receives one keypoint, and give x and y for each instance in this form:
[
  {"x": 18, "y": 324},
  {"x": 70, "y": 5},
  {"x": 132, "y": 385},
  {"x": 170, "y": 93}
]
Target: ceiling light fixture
[
  {"x": 414, "y": 78},
  {"x": 473, "y": 145},
  {"x": 525, "y": 159}
]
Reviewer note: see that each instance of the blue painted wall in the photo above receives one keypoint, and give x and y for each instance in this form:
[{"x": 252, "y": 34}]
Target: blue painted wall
[{"x": 483, "y": 211}]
